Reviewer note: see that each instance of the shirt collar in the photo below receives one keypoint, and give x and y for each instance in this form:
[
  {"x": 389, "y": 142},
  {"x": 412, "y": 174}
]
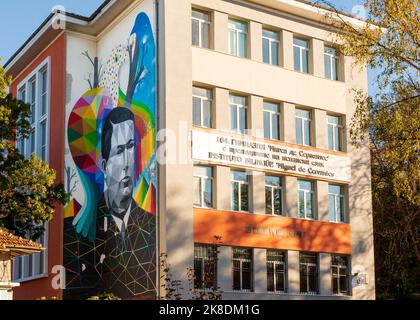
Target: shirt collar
[{"x": 119, "y": 222}]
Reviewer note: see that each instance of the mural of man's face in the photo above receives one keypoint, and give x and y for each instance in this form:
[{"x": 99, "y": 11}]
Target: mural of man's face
[{"x": 119, "y": 168}]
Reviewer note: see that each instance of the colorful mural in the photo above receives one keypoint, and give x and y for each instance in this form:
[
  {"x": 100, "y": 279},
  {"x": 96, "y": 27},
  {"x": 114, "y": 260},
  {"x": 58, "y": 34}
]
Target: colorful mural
[{"x": 110, "y": 232}]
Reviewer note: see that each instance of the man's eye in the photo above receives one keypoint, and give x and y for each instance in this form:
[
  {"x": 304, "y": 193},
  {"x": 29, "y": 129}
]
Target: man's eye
[{"x": 120, "y": 150}]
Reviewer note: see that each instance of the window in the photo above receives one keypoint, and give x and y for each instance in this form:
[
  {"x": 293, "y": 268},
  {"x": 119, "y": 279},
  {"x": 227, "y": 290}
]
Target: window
[
  {"x": 303, "y": 127},
  {"x": 238, "y": 42},
  {"x": 22, "y": 93},
  {"x": 331, "y": 63},
  {"x": 240, "y": 191},
  {"x": 340, "y": 275},
  {"x": 43, "y": 140},
  {"x": 336, "y": 203},
  {"x": 34, "y": 90},
  {"x": 32, "y": 266},
  {"x": 205, "y": 264},
  {"x": 306, "y": 199},
  {"x": 273, "y": 195},
  {"x": 308, "y": 273},
  {"x": 335, "y": 133},
  {"x": 203, "y": 186},
  {"x": 271, "y": 121},
  {"x": 301, "y": 55},
  {"x": 32, "y": 98},
  {"x": 276, "y": 271},
  {"x": 242, "y": 270},
  {"x": 270, "y": 43},
  {"x": 44, "y": 91},
  {"x": 202, "y": 105},
  {"x": 238, "y": 114},
  {"x": 20, "y": 143},
  {"x": 200, "y": 29}
]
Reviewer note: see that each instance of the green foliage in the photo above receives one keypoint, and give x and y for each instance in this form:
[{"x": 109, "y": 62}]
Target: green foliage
[
  {"x": 4, "y": 82},
  {"x": 395, "y": 150},
  {"x": 104, "y": 296},
  {"x": 14, "y": 116},
  {"x": 389, "y": 41},
  {"x": 28, "y": 192},
  {"x": 390, "y": 123}
]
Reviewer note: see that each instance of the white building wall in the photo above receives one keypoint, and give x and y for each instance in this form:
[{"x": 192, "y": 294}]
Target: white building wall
[{"x": 216, "y": 68}]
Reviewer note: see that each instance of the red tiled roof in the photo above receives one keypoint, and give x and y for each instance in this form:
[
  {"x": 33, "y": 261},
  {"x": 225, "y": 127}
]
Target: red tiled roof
[{"x": 17, "y": 246}]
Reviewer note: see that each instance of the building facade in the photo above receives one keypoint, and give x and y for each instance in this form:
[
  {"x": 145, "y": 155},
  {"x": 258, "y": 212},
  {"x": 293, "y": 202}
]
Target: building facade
[{"x": 215, "y": 132}]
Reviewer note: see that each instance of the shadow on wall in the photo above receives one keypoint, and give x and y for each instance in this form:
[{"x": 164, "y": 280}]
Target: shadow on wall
[
  {"x": 361, "y": 219},
  {"x": 260, "y": 231},
  {"x": 179, "y": 234},
  {"x": 361, "y": 240}
]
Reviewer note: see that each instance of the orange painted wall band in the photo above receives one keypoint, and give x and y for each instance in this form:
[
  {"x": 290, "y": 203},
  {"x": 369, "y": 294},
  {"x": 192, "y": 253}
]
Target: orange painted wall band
[{"x": 270, "y": 232}]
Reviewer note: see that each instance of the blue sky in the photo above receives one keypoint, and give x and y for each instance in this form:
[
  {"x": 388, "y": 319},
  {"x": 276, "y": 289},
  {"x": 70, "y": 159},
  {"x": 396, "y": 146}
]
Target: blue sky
[{"x": 29, "y": 14}]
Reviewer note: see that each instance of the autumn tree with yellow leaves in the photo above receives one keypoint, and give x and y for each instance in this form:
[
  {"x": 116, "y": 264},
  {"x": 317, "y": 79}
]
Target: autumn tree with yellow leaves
[
  {"x": 390, "y": 121},
  {"x": 28, "y": 192}
]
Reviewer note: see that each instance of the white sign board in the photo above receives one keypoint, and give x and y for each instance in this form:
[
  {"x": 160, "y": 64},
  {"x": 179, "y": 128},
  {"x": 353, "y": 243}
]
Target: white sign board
[{"x": 224, "y": 149}]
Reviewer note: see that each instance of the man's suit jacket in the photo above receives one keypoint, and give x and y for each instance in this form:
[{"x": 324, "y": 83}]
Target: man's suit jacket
[
  {"x": 127, "y": 259},
  {"x": 123, "y": 264}
]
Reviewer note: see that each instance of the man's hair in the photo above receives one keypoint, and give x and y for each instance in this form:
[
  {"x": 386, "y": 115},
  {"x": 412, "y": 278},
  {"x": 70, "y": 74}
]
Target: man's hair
[{"x": 116, "y": 116}]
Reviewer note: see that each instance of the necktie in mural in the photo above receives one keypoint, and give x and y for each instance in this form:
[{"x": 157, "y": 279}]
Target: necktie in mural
[{"x": 110, "y": 228}]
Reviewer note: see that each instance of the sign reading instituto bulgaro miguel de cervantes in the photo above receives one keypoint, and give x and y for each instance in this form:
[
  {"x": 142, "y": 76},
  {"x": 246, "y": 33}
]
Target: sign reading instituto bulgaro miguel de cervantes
[{"x": 247, "y": 152}]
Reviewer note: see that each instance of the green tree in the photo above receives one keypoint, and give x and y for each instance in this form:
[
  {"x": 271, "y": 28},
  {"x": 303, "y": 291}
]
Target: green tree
[
  {"x": 28, "y": 191},
  {"x": 390, "y": 121},
  {"x": 104, "y": 296}
]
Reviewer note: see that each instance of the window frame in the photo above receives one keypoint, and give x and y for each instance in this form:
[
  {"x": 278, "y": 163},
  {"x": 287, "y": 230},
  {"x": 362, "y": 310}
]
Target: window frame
[
  {"x": 307, "y": 265},
  {"x": 200, "y": 28},
  {"x": 39, "y": 120},
  {"x": 235, "y": 51},
  {"x": 306, "y": 192},
  {"x": 202, "y": 100},
  {"x": 332, "y": 58},
  {"x": 337, "y": 198},
  {"x": 304, "y": 120},
  {"x": 21, "y": 143},
  {"x": 32, "y": 97},
  {"x": 271, "y": 42},
  {"x": 340, "y": 137},
  {"x": 347, "y": 272},
  {"x": 241, "y": 262},
  {"x": 202, "y": 260},
  {"x": 271, "y": 115},
  {"x": 202, "y": 184},
  {"x": 238, "y": 107},
  {"x": 22, "y": 260},
  {"x": 38, "y": 117},
  {"x": 272, "y": 191},
  {"x": 276, "y": 264},
  {"x": 302, "y": 50},
  {"x": 241, "y": 184}
]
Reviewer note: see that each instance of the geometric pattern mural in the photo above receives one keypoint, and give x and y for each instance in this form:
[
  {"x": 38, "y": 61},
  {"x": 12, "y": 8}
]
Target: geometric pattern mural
[
  {"x": 84, "y": 131},
  {"x": 72, "y": 209},
  {"x": 110, "y": 220}
]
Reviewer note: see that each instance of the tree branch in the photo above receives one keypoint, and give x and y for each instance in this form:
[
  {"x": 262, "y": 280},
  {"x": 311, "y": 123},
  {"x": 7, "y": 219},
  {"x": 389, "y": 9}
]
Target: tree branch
[{"x": 86, "y": 54}]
